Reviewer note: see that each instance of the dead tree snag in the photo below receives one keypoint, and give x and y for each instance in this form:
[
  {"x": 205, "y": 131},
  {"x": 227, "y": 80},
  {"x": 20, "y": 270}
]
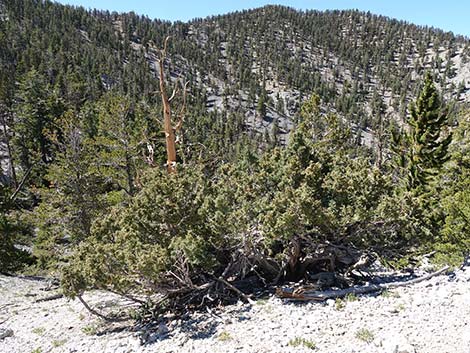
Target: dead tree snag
[{"x": 170, "y": 131}]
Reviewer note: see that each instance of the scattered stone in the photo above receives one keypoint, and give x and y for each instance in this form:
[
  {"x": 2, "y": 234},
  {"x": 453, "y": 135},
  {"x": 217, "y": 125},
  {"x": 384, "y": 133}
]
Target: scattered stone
[
  {"x": 397, "y": 345},
  {"x": 4, "y": 333},
  {"x": 415, "y": 319}
]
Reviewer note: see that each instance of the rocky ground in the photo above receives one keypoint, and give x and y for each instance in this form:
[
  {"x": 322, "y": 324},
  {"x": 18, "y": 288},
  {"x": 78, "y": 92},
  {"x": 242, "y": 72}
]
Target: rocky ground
[{"x": 432, "y": 316}]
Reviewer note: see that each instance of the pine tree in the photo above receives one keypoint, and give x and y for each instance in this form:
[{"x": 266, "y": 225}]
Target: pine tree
[
  {"x": 75, "y": 196},
  {"x": 261, "y": 106},
  {"x": 36, "y": 109},
  {"x": 424, "y": 147},
  {"x": 456, "y": 194},
  {"x": 118, "y": 141}
]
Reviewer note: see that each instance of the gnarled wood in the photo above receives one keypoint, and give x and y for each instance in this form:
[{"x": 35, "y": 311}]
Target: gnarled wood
[
  {"x": 170, "y": 139},
  {"x": 314, "y": 295}
]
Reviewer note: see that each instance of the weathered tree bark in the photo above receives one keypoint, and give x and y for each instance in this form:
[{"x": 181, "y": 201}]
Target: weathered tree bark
[
  {"x": 314, "y": 295},
  {"x": 170, "y": 139},
  {"x": 9, "y": 150}
]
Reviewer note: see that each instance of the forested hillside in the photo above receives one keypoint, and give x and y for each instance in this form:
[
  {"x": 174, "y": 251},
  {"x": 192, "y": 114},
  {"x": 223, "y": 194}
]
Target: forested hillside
[
  {"x": 251, "y": 69},
  {"x": 307, "y": 139}
]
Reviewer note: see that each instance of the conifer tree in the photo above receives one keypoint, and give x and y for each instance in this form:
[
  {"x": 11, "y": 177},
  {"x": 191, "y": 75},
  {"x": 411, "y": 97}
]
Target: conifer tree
[
  {"x": 424, "y": 147},
  {"x": 261, "y": 106},
  {"x": 118, "y": 140},
  {"x": 456, "y": 192},
  {"x": 75, "y": 196},
  {"x": 36, "y": 109}
]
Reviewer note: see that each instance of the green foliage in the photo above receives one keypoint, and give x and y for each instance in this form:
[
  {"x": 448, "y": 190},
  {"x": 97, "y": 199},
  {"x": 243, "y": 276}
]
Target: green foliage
[
  {"x": 14, "y": 233},
  {"x": 421, "y": 154},
  {"x": 423, "y": 150},
  {"x": 75, "y": 196},
  {"x": 167, "y": 225},
  {"x": 350, "y": 297},
  {"x": 180, "y": 226},
  {"x": 314, "y": 187},
  {"x": 119, "y": 140},
  {"x": 339, "y": 304},
  {"x": 389, "y": 294},
  {"x": 36, "y": 107},
  {"x": 224, "y": 336},
  {"x": 38, "y": 330},
  {"x": 302, "y": 342},
  {"x": 261, "y": 106},
  {"x": 365, "y": 335},
  {"x": 455, "y": 235},
  {"x": 90, "y": 330},
  {"x": 58, "y": 343},
  {"x": 85, "y": 122}
]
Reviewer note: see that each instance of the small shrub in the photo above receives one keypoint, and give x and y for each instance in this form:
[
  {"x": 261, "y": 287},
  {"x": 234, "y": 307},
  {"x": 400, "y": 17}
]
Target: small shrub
[
  {"x": 90, "y": 330},
  {"x": 365, "y": 335},
  {"x": 351, "y": 297},
  {"x": 224, "y": 336},
  {"x": 38, "y": 330},
  {"x": 268, "y": 309},
  {"x": 400, "y": 307},
  {"x": 135, "y": 314},
  {"x": 339, "y": 304},
  {"x": 58, "y": 343},
  {"x": 448, "y": 254},
  {"x": 262, "y": 301},
  {"x": 390, "y": 294},
  {"x": 299, "y": 341}
]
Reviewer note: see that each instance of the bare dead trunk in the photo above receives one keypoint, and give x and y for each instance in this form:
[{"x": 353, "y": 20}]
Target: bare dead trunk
[
  {"x": 9, "y": 151},
  {"x": 168, "y": 128}
]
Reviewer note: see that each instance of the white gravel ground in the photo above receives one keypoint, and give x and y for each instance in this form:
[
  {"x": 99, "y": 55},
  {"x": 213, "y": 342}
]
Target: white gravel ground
[{"x": 429, "y": 317}]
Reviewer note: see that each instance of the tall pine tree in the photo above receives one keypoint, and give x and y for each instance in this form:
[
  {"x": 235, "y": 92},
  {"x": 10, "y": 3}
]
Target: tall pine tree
[{"x": 423, "y": 149}]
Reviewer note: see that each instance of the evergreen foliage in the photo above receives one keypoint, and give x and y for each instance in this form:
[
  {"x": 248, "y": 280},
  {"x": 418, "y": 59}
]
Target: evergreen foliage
[
  {"x": 424, "y": 146},
  {"x": 80, "y": 96},
  {"x": 456, "y": 193}
]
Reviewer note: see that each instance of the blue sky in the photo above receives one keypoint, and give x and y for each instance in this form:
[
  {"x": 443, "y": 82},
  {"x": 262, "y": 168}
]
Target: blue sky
[{"x": 452, "y": 15}]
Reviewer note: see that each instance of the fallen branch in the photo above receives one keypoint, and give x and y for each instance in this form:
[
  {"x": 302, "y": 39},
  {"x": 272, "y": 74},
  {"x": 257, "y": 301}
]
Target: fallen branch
[
  {"x": 236, "y": 290},
  {"x": 97, "y": 313},
  {"x": 49, "y": 298},
  {"x": 307, "y": 295}
]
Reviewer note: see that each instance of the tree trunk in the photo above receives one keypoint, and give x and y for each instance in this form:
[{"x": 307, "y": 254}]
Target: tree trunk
[
  {"x": 169, "y": 132},
  {"x": 9, "y": 151}
]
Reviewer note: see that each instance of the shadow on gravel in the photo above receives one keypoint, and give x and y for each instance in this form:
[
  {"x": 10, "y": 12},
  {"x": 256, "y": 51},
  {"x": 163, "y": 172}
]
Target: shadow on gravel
[
  {"x": 115, "y": 329},
  {"x": 202, "y": 327},
  {"x": 198, "y": 327}
]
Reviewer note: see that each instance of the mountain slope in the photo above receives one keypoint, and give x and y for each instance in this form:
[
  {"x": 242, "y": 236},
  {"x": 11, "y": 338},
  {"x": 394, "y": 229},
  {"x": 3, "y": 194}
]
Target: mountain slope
[{"x": 253, "y": 67}]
